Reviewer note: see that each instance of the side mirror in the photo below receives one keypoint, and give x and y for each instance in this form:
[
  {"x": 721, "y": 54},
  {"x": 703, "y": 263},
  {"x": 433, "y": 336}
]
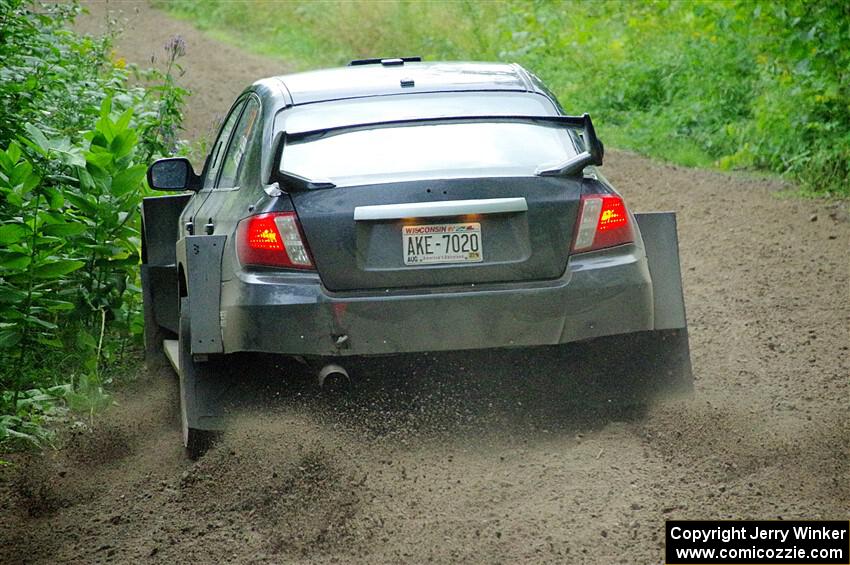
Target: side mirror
[{"x": 175, "y": 173}]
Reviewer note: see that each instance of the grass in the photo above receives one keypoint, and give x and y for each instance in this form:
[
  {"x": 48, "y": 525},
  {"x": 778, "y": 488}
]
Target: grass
[{"x": 701, "y": 84}]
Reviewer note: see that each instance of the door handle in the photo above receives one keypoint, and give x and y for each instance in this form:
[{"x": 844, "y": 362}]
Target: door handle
[
  {"x": 209, "y": 227},
  {"x": 190, "y": 228}
]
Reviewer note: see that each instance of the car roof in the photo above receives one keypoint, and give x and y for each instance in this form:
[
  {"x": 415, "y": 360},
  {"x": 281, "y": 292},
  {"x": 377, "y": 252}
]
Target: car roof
[{"x": 410, "y": 77}]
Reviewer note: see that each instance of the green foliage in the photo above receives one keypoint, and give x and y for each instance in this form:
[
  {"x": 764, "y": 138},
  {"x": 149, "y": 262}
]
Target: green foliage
[
  {"x": 736, "y": 84},
  {"x": 801, "y": 118},
  {"x": 75, "y": 140},
  {"x": 25, "y": 424},
  {"x": 33, "y": 261}
]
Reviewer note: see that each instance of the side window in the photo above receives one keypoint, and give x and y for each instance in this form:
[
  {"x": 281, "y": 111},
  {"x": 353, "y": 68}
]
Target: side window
[
  {"x": 217, "y": 154},
  {"x": 233, "y": 166}
]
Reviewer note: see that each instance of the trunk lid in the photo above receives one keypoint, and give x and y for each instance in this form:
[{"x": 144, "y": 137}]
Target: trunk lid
[{"x": 524, "y": 227}]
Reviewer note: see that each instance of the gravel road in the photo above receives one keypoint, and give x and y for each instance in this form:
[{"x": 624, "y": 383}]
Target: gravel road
[{"x": 491, "y": 467}]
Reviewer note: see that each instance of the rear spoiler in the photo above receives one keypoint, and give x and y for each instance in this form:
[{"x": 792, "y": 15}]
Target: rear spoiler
[
  {"x": 592, "y": 155},
  {"x": 386, "y": 62}
]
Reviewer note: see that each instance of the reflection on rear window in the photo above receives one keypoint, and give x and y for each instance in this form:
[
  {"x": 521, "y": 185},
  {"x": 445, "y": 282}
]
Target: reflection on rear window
[{"x": 442, "y": 150}]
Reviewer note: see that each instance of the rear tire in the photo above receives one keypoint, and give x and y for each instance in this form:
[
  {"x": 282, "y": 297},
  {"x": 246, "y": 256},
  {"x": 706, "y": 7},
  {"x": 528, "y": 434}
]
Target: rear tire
[{"x": 192, "y": 374}]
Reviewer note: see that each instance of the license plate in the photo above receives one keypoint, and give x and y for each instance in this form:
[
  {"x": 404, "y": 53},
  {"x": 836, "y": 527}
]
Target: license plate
[{"x": 442, "y": 243}]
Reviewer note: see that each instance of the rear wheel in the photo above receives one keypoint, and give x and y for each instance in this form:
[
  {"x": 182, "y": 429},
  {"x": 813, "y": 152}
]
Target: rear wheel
[{"x": 196, "y": 379}]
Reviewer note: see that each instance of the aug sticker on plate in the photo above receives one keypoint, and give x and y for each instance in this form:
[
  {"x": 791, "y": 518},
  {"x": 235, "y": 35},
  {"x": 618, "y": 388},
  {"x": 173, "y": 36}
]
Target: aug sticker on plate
[{"x": 442, "y": 243}]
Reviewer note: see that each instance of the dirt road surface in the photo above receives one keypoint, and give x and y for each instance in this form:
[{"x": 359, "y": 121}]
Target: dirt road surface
[{"x": 488, "y": 465}]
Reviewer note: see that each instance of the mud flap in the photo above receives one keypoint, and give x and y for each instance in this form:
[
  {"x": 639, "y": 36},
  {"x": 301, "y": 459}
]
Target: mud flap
[
  {"x": 200, "y": 256},
  {"x": 643, "y": 365},
  {"x": 624, "y": 371},
  {"x": 154, "y": 331},
  {"x": 203, "y": 386},
  {"x": 204, "y": 381},
  {"x": 159, "y": 270},
  {"x": 662, "y": 357},
  {"x": 662, "y": 253}
]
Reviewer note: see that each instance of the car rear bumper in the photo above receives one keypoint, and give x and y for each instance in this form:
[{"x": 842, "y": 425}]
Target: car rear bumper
[{"x": 601, "y": 293}]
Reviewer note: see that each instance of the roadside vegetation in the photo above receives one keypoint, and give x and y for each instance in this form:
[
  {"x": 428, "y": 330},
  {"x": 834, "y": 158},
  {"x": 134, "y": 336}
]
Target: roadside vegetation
[
  {"x": 740, "y": 84},
  {"x": 78, "y": 128}
]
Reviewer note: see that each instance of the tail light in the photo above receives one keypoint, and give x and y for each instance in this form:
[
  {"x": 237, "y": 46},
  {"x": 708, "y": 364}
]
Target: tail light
[
  {"x": 272, "y": 240},
  {"x": 603, "y": 222}
]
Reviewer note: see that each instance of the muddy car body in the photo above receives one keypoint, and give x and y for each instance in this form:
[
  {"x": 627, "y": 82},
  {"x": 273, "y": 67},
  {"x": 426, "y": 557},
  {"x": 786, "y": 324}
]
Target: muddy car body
[{"x": 397, "y": 206}]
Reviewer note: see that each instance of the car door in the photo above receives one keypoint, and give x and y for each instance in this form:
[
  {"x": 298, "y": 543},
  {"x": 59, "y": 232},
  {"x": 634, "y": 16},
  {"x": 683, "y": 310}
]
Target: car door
[
  {"x": 189, "y": 218},
  {"x": 239, "y": 167},
  {"x": 238, "y": 181}
]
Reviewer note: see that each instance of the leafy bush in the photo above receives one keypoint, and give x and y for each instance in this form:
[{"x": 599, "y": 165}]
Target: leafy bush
[
  {"x": 740, "y": 83},
  {"x": 75, "y": 140}
]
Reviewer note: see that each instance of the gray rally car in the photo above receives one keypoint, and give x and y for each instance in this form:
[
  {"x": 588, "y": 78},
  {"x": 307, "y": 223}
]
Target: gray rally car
[{"x": 397, "y": 206}]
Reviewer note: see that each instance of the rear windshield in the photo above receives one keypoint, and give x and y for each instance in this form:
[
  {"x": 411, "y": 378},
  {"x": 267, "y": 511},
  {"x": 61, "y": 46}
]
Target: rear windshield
[{"x": 422, "y": 151}]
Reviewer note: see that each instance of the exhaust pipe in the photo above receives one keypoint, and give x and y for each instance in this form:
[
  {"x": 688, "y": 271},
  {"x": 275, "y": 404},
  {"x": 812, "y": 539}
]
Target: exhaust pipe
[{"x": 333, "y": 377}]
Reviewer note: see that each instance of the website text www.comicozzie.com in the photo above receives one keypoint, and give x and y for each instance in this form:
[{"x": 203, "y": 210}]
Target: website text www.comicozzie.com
[{"x": 688, "y": 554}]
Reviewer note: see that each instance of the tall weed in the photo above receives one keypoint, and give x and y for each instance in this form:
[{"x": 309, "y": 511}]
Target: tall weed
[{"x": 75, "y": 141}]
